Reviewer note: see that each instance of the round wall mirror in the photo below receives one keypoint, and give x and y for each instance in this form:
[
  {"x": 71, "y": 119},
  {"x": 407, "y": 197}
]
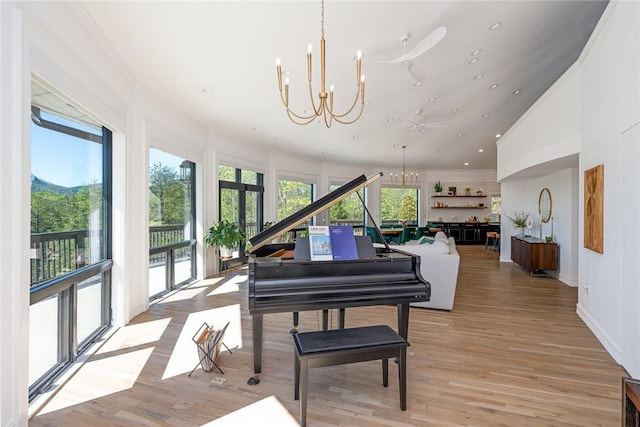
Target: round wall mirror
[{"x": 545, "y": 205}]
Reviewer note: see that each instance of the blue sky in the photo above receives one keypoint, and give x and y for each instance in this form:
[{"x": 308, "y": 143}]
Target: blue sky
[{"x": 64, "y": 160}]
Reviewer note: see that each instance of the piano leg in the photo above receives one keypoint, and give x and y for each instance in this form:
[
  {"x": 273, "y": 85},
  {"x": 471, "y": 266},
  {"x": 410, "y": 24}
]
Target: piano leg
[
  {"x": 403, "y": 320},
  {"x": 257, "y": 349},
  {"x": 296, "y": 317}
]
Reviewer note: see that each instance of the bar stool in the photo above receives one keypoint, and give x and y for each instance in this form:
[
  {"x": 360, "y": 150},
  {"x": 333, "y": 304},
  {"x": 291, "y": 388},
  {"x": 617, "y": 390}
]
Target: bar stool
[
  {"x": 496, "y": 243},
  {"x": 434, "y": 230},
  {"x": 491, "y": 236}
]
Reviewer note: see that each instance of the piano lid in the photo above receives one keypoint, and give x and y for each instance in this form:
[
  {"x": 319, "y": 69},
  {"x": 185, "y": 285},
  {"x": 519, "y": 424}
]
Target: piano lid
[{"x": 307, "y": 212}]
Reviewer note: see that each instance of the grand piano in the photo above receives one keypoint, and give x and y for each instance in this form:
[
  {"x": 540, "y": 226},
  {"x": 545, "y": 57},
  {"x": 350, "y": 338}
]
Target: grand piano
[{"x": 282, "y": 278}]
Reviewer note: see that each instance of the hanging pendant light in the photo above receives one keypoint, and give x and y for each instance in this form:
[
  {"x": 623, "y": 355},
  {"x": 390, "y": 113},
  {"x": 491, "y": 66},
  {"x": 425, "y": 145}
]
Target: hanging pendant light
[{"x": 323, "y": 105}]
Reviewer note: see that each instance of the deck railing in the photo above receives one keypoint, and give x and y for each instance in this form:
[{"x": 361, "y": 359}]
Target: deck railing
[{"x": 58, "y": 253}]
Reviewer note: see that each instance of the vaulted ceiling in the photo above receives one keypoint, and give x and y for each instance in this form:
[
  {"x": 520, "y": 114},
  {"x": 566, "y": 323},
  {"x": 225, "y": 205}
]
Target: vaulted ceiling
[{"x": 216, "y": 61}]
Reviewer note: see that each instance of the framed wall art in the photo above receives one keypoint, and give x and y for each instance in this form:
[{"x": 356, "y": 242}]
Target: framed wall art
[{"x": 594, "y": 208}]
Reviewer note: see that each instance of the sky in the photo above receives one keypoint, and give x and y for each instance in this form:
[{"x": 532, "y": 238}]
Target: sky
[{"x": 64, "y": 160}]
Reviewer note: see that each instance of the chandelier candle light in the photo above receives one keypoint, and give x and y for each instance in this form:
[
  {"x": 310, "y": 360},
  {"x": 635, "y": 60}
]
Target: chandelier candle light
[
  {"x": 406, "y": 179},
  {"x": 325, "y": 106}
]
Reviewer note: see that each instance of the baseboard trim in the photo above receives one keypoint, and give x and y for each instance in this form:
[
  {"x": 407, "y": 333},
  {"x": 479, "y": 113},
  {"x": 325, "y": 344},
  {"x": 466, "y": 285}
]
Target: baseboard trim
[{"x": 607, "y": 342}]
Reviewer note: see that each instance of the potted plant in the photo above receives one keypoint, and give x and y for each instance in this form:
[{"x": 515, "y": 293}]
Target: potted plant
[
  {"x": 479, "y": 192},
  {"x": 519, "y": 220},
  {"x": 224, "y": 235},
  {"x": 437, "y": 187},
  {"x": 467, "y": 191}
]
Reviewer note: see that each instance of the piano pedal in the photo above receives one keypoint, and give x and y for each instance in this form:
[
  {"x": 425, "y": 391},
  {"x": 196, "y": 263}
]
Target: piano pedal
[{"x": 254, "y": 380}]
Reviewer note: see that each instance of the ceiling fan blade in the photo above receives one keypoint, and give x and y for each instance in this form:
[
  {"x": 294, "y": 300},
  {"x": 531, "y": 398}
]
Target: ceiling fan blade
[
  {"x": 427, "y": 43},
  {"x": 433, "y": 125},
  {"x": 417, "y": 74}
]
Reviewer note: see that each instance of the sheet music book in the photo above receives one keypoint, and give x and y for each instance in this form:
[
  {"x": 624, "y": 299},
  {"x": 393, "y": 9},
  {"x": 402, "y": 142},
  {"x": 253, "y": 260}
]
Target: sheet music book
[
  {"x": 320, "y": 243},
  {"x": 343, "y": 243},
  {"x": 332, "y": 243}
]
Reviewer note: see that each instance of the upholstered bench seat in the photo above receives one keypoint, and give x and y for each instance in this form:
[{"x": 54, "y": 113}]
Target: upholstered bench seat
[{"x": 340, "y": 346}]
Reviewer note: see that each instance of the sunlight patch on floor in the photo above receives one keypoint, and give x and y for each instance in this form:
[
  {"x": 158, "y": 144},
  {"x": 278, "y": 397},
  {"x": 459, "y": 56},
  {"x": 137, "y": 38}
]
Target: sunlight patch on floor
[
  {"x": 268, "y": 411},
  {"x": 91, "y": 383},
  {"x": 184, "y": 356},
  {"x": 230, "y": 286},
  {"x": 136, "y": 334}
]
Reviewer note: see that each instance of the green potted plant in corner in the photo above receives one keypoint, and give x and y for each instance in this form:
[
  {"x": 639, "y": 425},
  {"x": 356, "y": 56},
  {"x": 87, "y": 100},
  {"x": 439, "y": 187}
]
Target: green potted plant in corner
[
  {"x": 519, "y": 220},
  {"x": 437, "y": 187},
  {"x": 224, "y": 235}
]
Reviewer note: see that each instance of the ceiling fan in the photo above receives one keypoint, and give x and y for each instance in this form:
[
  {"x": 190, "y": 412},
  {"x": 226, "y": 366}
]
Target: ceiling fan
[
  {"x": 422, "y": 126},
  {"x": 406, "y": 59}
]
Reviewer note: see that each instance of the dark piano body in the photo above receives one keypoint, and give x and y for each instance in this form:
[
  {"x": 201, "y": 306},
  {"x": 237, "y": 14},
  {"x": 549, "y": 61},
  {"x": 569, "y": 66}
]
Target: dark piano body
[{"x": 381, "y": 276}]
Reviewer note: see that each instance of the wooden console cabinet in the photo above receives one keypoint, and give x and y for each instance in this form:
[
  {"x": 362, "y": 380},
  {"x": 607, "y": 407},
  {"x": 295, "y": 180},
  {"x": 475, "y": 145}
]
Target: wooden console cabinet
[{"x": 534, "y": 254}]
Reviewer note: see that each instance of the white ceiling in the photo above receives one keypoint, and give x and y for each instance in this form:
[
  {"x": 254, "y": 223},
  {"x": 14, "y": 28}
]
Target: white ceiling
[{"x": 180, "y": 48}]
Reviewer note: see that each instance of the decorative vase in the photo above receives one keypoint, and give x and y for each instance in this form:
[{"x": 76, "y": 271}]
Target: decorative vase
[{"x": 225, "y": 252}]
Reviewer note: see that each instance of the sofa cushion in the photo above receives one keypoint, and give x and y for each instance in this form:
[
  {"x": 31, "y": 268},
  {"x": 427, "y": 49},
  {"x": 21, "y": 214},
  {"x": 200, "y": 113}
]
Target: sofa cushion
[
  {"x": 440, "y": 236},
  {"x": 440, "y": 247}
]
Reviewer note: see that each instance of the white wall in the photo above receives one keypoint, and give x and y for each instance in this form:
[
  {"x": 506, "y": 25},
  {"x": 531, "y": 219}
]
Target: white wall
[
  {"x": 610, "y": 282},
  {"x": 484, "y": 179},
  {"x": 521, "y": 195},
  {"x": 593, "y": 110},
  {"x": 14, "y": 226}
]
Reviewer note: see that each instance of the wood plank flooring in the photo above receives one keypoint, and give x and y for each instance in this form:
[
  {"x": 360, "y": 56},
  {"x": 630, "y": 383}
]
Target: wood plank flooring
[{"x": 512, "y": 352}]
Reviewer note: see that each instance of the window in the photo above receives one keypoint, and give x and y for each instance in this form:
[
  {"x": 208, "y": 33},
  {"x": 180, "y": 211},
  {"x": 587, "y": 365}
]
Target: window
[
  {"x": 241, "y": 201},
  {"x": 70, "y": 257},
  {"x": 496, "y": 204},
  {"x": 349, "y": 211},
  {"x": 293, "y": 196},
  {"x": 171, "y": 222},
  {"x": 399, "y": 204}
]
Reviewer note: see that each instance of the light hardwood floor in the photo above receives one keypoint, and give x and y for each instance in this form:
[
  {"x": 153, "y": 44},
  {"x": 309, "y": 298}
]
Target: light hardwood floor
[{"x": 512, "y": 352}]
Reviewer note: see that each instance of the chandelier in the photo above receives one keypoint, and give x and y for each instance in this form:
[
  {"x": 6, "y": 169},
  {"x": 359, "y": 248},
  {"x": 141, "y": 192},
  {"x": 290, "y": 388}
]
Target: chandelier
[
  {"x": 323, "y": 106},
  {"x": 404, "y": 179}
]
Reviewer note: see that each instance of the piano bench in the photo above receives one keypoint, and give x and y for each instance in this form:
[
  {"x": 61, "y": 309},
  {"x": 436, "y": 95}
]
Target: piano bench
[{"x": 340, "y": 346}]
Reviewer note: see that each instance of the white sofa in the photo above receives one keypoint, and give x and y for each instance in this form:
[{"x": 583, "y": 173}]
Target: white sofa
[{"x": 439, "y": 264}]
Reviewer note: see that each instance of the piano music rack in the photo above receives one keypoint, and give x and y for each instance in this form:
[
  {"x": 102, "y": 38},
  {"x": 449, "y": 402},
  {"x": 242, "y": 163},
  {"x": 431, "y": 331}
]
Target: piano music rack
[{"x": 208, "y": 341}]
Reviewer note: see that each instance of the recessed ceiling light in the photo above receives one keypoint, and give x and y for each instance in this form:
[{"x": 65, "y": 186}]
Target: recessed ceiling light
[
  {"x": 395, "y": 145},
  {"x": 433, "y": 98},
  {"x": 256, "y": 129},
  {"x": 440, "y": 150},
  {"x": 367, "y": 102},
  {"x": 466, "y": 163},
  {"x": 473, "y": 61},
  {"x": 478, "y": 76},
  {"x": 454, "y": 109},
  {"x": 355, "y": 136},
  {"x": 418, "y": 83},
  {"x": 460, "y": 134},
  {"x": 481, "y": 150},
  {"x": 517, "y": 91},
  {"x": 275, "y": 138},
  {"x": 390, "y": 119},
  {"x": 494, "y": 26},
  {"x": 421, "y": 163},
  {"x": 493, "y": 86},
  {"x": 207, "y": 90},
  {"x": 485, "y": 115},
  {"x": 498, "y": 135},
  {"x": 475, "y": 52}
]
